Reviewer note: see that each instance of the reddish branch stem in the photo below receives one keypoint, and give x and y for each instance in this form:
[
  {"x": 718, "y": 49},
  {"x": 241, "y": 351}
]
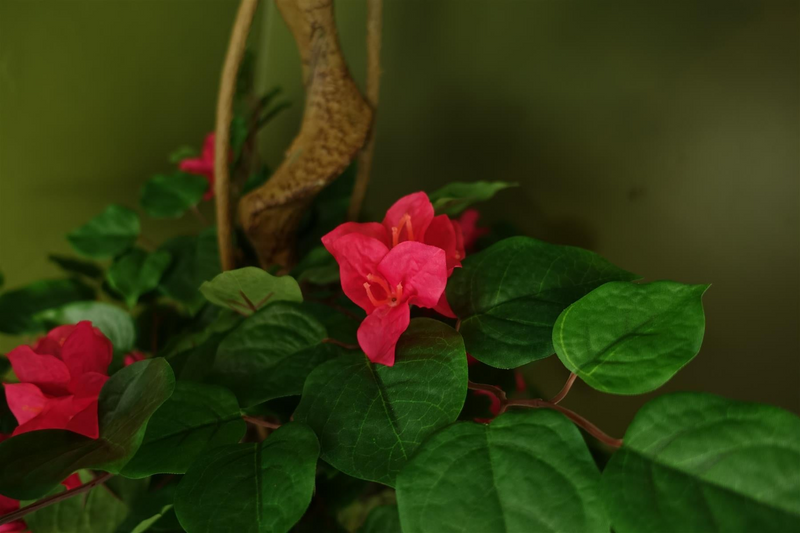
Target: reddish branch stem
[
  {"x": 258, "y": 422},
  {"x": 41, "y": 504},
  {"x": 565, "y": 389}
]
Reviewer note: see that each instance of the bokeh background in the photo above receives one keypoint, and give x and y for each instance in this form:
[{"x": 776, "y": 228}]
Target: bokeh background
[{"x": 664, "y": 135}]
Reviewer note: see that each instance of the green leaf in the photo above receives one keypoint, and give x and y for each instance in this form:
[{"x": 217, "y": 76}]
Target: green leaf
[
  {"x": 19, "y": 308},
  {"x": 72, "y": 265},
  {"x": 181, "y": 153},
  {"x": 115, "y": 323},
  {"x": 382, "y": 519},
  {"x": 194, "y": 260},
  {"x": 631, "y": 339},
  {"x": 195, "y": 417},
  {"x": 370, "y": 418},
  {"x": 699, "y": 462},
  {"x": 98, "y": 511},
  {"x": 39, "y": 460},
  {"x": 318, "y": 267},
  {"x": 144, "y": 525},
  {"x": 270, "y": 354},
  {"x": 453, "y": 198},
  {"x": 170, "y": 196},
  {"x": 248, "y": 289},
  {"x": 108, "y": 234},
  {"x": 251, "y": 488},
  {"x": 526, "y": 471},
  {"x": 340, "y": 323},
  {"x": 137, "y": 272},
  {"x": 509, "y": 296}
]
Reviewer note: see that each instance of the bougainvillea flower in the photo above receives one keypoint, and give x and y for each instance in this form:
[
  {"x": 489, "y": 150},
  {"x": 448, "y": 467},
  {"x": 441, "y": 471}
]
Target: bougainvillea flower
[
  {"x": 384, "y": 282},
  {"x": 133, "y": 357},
  {"x": 60, "y": 380},
  {"x": 411, "y": 218},
  {"x": 203, "y": 165},
  {"x": 468, "y": 224}
]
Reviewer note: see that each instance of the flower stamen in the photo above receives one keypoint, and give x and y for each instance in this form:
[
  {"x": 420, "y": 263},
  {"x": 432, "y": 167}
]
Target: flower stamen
[
  {"x": 393, "y": 297},
  {"x": 405, "y": 221}
]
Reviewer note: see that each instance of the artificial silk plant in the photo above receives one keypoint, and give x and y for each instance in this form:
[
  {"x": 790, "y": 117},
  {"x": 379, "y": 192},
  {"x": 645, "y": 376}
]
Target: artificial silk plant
[{"x": 307, "y": 369}]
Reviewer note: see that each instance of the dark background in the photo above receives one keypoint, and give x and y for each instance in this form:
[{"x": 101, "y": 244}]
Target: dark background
[{"x": 663, "y": 135}]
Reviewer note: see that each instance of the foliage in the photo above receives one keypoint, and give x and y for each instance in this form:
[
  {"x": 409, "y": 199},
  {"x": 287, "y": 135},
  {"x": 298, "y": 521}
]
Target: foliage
[{"x": 246, "y": 401}]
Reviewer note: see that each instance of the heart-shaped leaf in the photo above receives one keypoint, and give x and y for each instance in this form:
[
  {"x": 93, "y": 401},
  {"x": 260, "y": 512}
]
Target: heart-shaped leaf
[
  {"x": 114, "y": 322},
  {"x": 108, "y": 234},
  {"x": 137, "y": 272},
  {"x": 36, "y": 462},
  {"x": 625, "y": 338},
  {"x": 20, "y": 307},
  {"x": 370, "y": 418},
  {"x": 196, "y": 417},
  {"x": 248, "y": 289},
  {"x": 72, "y": 265},
  {"x": 270, "y": 353},
  {"x": 253, "y": 487},
  {"x": 699, "y": 462},
  {"x": 170, "y": 196},
  {"x": 526, "y": 471},
  {"x": 453, "y": 198},
  {"x": 509, "y": 296}
]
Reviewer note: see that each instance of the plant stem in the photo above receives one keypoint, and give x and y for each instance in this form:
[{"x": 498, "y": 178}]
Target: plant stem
[
  {"x": 564, "y": 390},
  {"x": 374, "y": 30},
  {"x": 328, "y": 340},
  {"x": 41, "y": 504},
  {"x": 258, "y": 422}
]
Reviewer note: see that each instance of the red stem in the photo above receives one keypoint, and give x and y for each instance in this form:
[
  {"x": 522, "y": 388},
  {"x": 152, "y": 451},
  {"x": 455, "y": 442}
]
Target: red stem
[
  {"x": 579, "y": 421},
  {"x": 259, "y": 422},
  {"x": 565, "y": 389},
  {"x": 19, "y": 513}
]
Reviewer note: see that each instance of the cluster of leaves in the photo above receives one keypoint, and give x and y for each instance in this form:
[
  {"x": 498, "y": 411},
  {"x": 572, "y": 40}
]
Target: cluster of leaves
[{"x": 257, "y": 412}]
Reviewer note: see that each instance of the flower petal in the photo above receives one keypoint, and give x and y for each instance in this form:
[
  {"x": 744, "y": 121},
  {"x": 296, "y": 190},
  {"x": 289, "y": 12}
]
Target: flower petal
[
  {"x": 88, "y": 385},
  {"x": 25, "y": 400},
  {"x": 86, "y": 350},
  {"x": 73, "y": 481},
  {"x": 358, "y": 256},
  {"x": 197, "y": 166},
  {"x": 52, "y": 342},
  {"x": 56, "y": 414},
  {"x": 443, "y": 307},
  {"x": 442, "y": 234},
  {"x": 208, "y": 148},
  {"x": 379, "y": 332},
  {"x": 85, "y": 422},
  {"x": 420, "y": 268},
  {"x": 468, "y": 221},
  {"x": 368, "y": 229},
  {"x": 45, "y": 371},
  {"x": 7, "y": 505},
  {"x": 420, "y": 211}
]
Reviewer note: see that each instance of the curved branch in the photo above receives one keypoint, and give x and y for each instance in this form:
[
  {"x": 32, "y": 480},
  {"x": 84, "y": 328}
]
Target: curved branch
[
  {"x": 374, "y": 30},
  {"x": 41, "y": 504},
  {"x": 335, "y": 124},
  {"x": 227, "y": 89}
]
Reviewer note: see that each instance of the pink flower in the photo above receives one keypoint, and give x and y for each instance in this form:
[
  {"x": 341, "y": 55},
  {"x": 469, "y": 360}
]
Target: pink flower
[
  {"x": 385, "y": 282},
  {"x": 60, "y": 380},
  {"x": 411, "y": 218},
  {"x": 468, "y": 222},
  {"x": 203, "y": 165},
  {"x": 133, "y": 357}
]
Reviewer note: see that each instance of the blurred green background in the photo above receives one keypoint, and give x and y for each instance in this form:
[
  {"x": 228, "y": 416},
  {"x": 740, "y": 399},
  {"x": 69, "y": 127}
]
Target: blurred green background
[{"x": 664, "y": 135}]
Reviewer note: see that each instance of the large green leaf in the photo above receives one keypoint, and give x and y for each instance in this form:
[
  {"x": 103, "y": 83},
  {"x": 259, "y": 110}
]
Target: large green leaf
[
  {"x": 137, "y": 272},
  {"x": 509, "y": 296},
  {"x": 20, "y": 307},
  {"x": 108, "y": 234},
  {"x": 527, "y": 471},
  {"x": 170, "y": 196},
  {"x": 455, "y": 197},
  {"x": 625, "y": 338},
  {"x": 114, "y": 322},
  {"x": 270, "y": 354},
  {"x": 196, "y": 417},
  {"x": 251, "y": 488},
  {"x": 72, "y": 265},
  {"x": 98, "y": 511},
  {"x": 34, "y": 463},
  {"x": 248, "y": 289},
  {"x": 194, "y": 260},
  {"x": 694, "y": 462},
  {"x": 370, "y": 418}
]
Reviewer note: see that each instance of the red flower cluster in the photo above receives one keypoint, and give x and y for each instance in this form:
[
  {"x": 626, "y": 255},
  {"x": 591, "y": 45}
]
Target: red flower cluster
[
  {"x": 203, "y": 165},
  {"x": 386, "y": 267},
  {"x": 60, "y": 380}
]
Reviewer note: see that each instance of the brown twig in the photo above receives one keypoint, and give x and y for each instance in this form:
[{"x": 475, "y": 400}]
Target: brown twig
[
  {"x": 492, "y": 389},
  {"x": 374, "y": 31},
  {"x": 258, "y": 422},
  {"x": 41, "y": 504},
  {"x": 227, "y": 89},
  {"x": 564, "y": 390}
]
